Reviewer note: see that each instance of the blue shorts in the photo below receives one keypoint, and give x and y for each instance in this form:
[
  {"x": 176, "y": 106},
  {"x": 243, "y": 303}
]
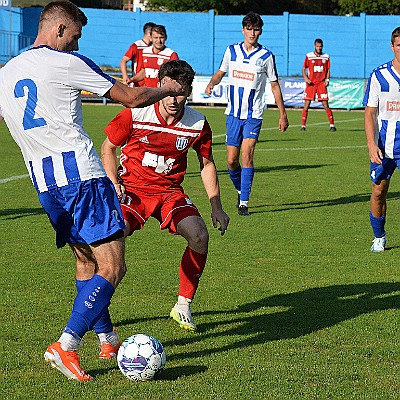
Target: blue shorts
[
  {"x": 83, "y": 212},
  {"x": 382, "y": 171},
  {"x": 239, "y": 129}
]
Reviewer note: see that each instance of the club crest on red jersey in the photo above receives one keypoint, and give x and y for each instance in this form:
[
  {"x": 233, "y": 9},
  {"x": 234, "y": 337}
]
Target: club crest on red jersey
[{"x": 181, "y": 142}]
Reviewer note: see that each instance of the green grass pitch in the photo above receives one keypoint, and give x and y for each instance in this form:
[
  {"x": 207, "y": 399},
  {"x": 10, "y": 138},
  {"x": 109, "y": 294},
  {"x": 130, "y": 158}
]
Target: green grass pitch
[{"x": 292, "y": 304}]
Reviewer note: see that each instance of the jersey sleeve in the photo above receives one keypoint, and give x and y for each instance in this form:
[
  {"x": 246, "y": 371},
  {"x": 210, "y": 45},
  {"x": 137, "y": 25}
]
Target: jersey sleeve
[
  {"x": 174, "y": 56},
  {"x": 305, "y": 64},
  {"x": 203, "y": 144},
  {"x": 270, "y": 68},
  {"x": 120, "y": 128},
  {"x": 225, "y": 60},
  {"x": 84, "y": 74},
  {"x": 132, "y": 51},
  {"x": 371, "y": 97}
]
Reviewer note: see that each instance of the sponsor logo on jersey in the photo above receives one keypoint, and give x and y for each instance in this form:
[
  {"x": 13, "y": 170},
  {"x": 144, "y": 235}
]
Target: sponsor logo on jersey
[
  {"x": 188, "y": 201},
  {"x": 151, "y": 72},
  {"x": 144, "y": 139},
  {"x": 181, "y": 143},
  {"x": 248, "y": 76},
  {"x": 393, "y": 106}
]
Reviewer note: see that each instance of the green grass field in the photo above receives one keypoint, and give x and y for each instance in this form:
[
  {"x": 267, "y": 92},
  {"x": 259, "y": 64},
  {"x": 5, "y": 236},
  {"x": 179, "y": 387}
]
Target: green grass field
[{"x": 292, "y": 304}]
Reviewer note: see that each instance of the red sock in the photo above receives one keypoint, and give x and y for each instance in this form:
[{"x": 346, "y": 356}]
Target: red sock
[
  {"x": 330, "y": 116},
  {"x": 304, "y": 114},
  {"x": 190, "y": 270}
]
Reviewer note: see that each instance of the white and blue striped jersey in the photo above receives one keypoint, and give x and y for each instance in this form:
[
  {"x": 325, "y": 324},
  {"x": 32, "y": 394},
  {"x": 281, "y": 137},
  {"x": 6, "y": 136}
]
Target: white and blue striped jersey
[
  {"x": 383, "y": 92},
  {"x": 40, "y": 100},
  {"x": 247, "y": 77}
]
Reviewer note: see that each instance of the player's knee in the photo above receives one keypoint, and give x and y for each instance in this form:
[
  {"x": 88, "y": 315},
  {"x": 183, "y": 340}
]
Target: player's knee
[
  {"x": 198, "y": 240},
  {"x": 233, "y": 163}
]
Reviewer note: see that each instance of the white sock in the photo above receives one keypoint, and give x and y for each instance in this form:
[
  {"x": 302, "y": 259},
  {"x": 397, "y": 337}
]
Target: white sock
[
  {"x": 244, "y": 203},
  {"x": 109, "y": 337},
  {"x": 69, "y": 342}
]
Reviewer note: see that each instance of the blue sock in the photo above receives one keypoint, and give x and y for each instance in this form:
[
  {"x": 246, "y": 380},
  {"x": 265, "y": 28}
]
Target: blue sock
[
  {"x": 378, "y": 225},
  {"x": 235, "y": 175},
  {"x": 247, "y": 181},
  {"x": 90, "y": 303},
  {"x": 104, "y": 324}
]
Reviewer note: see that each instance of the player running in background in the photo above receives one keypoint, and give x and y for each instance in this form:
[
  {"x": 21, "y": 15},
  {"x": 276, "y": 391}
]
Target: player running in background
[
  {"x": 40, "y": 100},
  {"x": 382, "y": 121},
  {"x": 316, "y": 73},
  {"x": 153, "y": 57},
  {"x": 154, "y": 144},
  {"x": 133, "y": 54},
  {"x": 248, "y": 65}
]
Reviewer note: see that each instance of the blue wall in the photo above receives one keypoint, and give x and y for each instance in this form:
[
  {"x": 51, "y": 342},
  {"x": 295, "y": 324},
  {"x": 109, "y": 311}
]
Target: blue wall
[{"x": 356, "y": 44}]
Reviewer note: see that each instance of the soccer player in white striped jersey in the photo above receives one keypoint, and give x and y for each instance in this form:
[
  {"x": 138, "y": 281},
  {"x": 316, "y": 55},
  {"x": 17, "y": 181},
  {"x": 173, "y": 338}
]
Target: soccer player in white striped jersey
[
  {"x": 249, "y": 65},
  {"x": 382, "y": 128},
  {"x": 40, "y": 101}
]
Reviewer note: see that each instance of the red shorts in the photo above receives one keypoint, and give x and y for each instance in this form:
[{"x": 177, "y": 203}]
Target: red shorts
[
  {"x": 318, "y": 89},
  {"x": 168, "y": 208}
]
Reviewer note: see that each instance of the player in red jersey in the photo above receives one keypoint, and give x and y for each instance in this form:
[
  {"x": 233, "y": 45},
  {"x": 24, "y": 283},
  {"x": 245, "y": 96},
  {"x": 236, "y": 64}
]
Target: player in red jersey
[
  {"x": 154, "y": 143},
  {"x": 151, "y": 58},
  {"x": 133, "y": 53},
  {"x": 316, "y": 74}
]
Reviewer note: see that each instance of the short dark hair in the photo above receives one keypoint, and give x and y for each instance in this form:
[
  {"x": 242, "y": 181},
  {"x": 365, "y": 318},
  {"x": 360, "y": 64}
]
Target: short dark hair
[
  {"x": 395, "y": 34},
  {"x": 318, "y": 41},
  {"x": 159, "y": 29},
  {"x": 63, "y": 9},
  {"x": 148, "y": 25},
  {"x": 178, "y": 70},
  {"x": 252, "y": 19}
]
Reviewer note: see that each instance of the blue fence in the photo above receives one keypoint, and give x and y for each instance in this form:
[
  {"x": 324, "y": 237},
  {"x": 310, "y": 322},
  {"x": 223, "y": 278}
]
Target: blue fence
[{"x": 356, "y": 44}]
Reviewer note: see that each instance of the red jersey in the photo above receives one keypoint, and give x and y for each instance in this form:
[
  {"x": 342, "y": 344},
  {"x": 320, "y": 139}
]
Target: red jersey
[
  {"x": 318, "y": 66},
  {"x": 133, "y": 53},
  {"x": 154, "y": 154},
  {"x": 151, "y": 62}
]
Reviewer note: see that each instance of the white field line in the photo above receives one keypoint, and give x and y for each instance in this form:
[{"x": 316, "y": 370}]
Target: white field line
[{"x": 13, "y": 178}]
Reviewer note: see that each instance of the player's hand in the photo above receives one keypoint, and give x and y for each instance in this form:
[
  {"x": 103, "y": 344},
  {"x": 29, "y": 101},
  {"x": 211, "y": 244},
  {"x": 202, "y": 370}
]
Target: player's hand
[
  {"x": 375, "y": 154},
  {"x": 174, "y": 88},
  {"x": 120, "y": 189},
  {"x": 220, "y": 217},
  {"x": 209, "y": 89},
  {"x": 283, "y": 124}
]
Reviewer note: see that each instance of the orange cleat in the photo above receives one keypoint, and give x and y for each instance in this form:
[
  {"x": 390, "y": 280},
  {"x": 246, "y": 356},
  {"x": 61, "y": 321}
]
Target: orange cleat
[
  {"x": 109, "y": 351},
  {"x": 67, "y": 362}
]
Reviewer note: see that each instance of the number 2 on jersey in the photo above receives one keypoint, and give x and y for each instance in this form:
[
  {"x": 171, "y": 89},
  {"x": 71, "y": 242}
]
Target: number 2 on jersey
[{"x": 29, "y": 121}]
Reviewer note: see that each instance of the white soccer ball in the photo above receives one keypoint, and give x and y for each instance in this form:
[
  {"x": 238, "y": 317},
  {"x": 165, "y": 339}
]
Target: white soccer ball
[{"x": 141, "y": 357}]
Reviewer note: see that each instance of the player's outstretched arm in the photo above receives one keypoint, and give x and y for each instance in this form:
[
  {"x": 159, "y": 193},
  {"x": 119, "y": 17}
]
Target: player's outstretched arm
[
  {"x": 210, "y": 182},
  {"x": 375, "y": 153},
  {"x": 215, "y": 80},
  {"x": 276, "y": 91},
  {"x": 109, "y": 160},
  {"x": 143, "y": 96}
]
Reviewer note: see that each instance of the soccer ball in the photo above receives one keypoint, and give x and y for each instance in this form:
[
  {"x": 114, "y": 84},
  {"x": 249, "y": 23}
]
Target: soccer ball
[{"x": 141, "y": 357}]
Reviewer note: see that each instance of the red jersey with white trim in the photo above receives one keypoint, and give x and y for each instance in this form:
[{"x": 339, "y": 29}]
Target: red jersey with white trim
[
  {"x": 153, "y": 153},
  {"x": 151, "y": 62},
  {"x": 318, "y": 66},
  {"x": 134, "y": 52}
]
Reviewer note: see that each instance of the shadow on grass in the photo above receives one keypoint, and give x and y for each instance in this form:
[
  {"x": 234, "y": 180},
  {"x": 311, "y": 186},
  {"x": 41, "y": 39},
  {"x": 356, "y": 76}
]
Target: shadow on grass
[
  {"x": 304, "y": 312},
  {"x": 356, "y": 198},
  {"x": 15, "y": 213}
]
